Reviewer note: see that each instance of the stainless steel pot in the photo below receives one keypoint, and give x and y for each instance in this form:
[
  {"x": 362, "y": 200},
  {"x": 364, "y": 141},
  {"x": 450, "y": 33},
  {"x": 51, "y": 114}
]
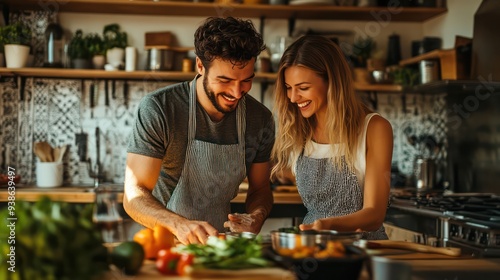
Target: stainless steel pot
[
  {"x": 425, "y": 173},
  {"x": 160, "y": 59}
]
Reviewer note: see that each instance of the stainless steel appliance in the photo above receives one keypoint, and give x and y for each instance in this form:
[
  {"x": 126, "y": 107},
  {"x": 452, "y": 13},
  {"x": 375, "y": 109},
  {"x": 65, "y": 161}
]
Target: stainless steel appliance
[{"x": 470, "y": 221}]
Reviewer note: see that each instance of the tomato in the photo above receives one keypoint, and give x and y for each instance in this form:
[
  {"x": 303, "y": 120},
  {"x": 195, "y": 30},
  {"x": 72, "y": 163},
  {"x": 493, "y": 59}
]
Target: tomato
[
  {"x": 166, "y": 261},
  {"x": 184, "y": 261}
]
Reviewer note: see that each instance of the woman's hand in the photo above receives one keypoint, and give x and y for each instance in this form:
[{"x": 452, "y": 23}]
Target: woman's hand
[{"x": 316, "y": 225}]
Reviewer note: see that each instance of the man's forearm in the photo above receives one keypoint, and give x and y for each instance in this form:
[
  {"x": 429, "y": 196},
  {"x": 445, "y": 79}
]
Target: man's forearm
[{"x": 143, "y": 207}]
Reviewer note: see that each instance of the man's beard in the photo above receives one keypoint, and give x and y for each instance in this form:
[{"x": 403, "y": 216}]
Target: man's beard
[{"x": 213, "y": 98}]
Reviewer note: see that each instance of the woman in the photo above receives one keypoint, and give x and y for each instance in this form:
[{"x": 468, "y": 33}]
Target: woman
[{"x": 339, "y": 150}]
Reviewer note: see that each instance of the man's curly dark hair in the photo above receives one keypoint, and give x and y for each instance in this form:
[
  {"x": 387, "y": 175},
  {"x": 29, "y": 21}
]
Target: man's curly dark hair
[{"x": 229, "y": 39}]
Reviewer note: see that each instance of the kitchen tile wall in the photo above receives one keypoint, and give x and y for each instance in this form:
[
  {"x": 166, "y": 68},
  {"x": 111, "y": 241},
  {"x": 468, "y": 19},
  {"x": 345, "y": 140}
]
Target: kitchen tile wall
[{"x": 55, "y": 111}]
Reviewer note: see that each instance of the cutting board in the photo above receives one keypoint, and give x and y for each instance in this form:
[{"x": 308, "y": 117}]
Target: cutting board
[{"x": 149, "y": 272}]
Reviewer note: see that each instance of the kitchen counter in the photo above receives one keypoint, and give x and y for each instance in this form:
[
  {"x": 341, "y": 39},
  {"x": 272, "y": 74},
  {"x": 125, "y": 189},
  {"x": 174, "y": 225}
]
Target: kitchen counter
[{"x": 423, "y": 267}]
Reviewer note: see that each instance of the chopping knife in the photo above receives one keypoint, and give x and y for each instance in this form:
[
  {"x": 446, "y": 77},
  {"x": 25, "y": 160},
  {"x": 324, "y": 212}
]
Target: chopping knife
[{"x": 392, "y": 244}]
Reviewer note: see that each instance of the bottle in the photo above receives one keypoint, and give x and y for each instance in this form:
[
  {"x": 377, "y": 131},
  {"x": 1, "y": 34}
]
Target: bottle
[
  {"x": 393, "y": 51},
  {"x": 54, "y": 46}
]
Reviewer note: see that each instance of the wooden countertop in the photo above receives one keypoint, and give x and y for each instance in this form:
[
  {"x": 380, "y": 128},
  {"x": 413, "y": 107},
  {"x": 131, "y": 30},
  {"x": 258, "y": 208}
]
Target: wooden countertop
[
  {"x": 80, "y": 194},
  {"x": 425, "y": 266}
]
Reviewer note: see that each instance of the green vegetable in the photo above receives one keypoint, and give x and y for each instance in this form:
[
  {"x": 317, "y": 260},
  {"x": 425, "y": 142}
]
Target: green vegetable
[
  {"x": 128, "y": 256},
  {"x": 233, "y": 253},
  {"x": 294, "y": 229},
  {"x": 53, "y": 240}
]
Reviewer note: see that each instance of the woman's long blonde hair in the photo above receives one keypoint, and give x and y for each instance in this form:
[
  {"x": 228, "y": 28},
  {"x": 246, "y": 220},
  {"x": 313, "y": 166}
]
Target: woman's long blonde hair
[{"x": 345, "y": 109}]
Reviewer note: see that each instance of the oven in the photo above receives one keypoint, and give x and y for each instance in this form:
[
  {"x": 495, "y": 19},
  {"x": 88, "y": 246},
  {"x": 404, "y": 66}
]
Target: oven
[{"x": 470, "y": 221}]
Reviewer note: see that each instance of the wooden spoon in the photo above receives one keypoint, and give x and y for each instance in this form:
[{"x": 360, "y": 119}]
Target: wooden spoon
[
  {"x": 59, "y": 153},
  {"x": 44, "y": 151}
]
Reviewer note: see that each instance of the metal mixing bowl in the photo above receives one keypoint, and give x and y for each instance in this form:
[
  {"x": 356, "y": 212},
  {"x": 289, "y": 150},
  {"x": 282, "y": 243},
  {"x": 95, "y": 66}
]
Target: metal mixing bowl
[{"x": 286, "y": 240}]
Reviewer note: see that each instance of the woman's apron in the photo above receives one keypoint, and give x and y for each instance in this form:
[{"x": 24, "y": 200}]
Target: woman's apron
[
  {"x": 211, "y": 174},
  {"x": 329, "y": 192}
]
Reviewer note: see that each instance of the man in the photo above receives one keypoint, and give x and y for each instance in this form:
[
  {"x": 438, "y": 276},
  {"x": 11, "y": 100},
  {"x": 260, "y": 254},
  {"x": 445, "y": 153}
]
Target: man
[{"x": 193, "y": 143}]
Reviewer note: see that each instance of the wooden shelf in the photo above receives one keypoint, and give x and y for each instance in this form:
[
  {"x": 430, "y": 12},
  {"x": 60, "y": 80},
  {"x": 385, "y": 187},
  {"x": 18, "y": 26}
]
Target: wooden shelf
[
  {"x": 378, "y": 87},
  {"x": 451, "y": 64},
  {"x": 102, "y": 74},
  {"x": 157, "y": 76},
  {"x": 181, "y": 8}
]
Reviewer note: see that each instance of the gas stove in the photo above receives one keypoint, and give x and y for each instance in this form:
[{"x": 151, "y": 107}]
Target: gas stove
[{"x": 470, "y": 221}]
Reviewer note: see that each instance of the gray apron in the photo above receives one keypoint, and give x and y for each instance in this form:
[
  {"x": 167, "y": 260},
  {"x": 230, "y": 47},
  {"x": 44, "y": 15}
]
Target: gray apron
[
  {"x": 329, "y": 192},
  {"x": 211, "y": 174}
]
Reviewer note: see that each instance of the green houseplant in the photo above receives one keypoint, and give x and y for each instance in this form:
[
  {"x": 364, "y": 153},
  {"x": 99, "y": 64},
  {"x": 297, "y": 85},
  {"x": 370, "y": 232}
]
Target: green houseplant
[
  {"x": 361, "y": 51},
  {"x": 78, "y": 50},
  {"x": 115, "y": 42},
  {"x": 97, "y": 50},
  {"x": 15, "y": 40}
]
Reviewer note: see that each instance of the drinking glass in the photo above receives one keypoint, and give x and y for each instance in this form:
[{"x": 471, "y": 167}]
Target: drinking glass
[{"x": 107, "y": 217}]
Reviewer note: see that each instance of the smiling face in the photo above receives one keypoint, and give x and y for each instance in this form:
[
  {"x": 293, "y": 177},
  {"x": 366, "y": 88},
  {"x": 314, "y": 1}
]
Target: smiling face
[
  {"x": 224, "y": 85},
  {"x": 307, "y": 90}
]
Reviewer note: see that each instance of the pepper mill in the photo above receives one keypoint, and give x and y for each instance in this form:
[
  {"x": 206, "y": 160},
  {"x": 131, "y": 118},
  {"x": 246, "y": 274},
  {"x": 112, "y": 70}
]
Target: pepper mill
[{"x": 393, "y": 50}]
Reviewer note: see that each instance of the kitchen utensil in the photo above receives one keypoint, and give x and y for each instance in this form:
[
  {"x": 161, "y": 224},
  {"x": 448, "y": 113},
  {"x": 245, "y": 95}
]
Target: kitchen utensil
[
  {"x": 59, "y": 153},
  {"x": 429, "y": 71},
  {"x": 425, "y": 173},
  {"x": 44, "y": 151},
  {"x": 310, "y": 238},
  {"x": 160, "y": 59},
  {"x": 345, "y": 267},
  {"x": 393, "y": 244},
  {"x": 381, "y": 77},
  {"x": 49, "y": 174}
]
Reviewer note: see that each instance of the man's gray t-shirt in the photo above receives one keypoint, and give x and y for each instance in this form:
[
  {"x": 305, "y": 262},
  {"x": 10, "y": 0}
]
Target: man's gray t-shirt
[{"x": 161, "y": 128}]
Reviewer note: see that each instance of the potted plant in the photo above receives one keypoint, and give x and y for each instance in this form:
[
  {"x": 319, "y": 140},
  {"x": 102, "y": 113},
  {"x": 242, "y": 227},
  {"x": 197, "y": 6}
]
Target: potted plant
[
  {"x": 78, "y": 51},
  {"x": 16, "y": 39},
  {"x": 97, "y": 50},
  {"x": 115, "y": 42},
  {"x": 361, "y": 52}
]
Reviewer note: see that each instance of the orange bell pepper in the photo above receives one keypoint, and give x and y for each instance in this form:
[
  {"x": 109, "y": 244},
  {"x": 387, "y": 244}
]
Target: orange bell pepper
[{"x": 153, "y": 240}]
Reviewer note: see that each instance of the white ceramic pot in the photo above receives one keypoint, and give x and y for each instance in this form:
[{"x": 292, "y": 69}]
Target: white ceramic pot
[
  {"x": 115, "y": 57},
  {"x": 16, "y": 56}
]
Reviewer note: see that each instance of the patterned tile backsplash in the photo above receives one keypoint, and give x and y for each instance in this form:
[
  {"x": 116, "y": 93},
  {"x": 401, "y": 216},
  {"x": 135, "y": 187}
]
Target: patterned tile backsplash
[{"x": 56, "y": 111}]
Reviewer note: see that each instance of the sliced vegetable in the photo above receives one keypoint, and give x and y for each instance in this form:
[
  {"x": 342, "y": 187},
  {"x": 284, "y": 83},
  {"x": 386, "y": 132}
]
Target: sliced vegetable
[{"x": 231, "y": 253}]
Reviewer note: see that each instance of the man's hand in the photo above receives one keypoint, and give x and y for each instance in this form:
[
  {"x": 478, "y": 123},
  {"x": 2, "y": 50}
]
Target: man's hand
[
  {"x": 188, "y": 232},
  {"x": 245, "y": 222}
]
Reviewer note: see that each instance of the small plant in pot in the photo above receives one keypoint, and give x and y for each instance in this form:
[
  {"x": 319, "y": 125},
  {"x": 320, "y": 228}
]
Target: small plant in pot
[
  {"x": 97, "y": 50},
  {"x": 361, "y": 52},
  {"x": 16, "y": 40},
  {"x": 78, "y": 51},
  {"x": 115, "y": 42}
]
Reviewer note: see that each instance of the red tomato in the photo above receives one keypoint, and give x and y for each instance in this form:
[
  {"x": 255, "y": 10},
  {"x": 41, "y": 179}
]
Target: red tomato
[
  {"x": 184, "y": 261},
  {"x": 166, "y": 261}
]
